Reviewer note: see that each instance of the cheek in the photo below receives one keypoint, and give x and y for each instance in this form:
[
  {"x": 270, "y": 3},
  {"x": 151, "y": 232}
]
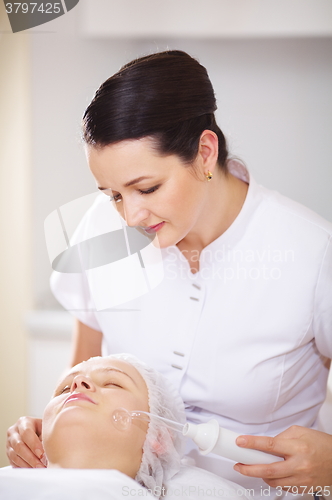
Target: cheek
[
  {"x": 137, "y": 435},
  {"x": 131, "y": 435},
  {"x": 128, "y": 401},
  {"x": 48, "y": 412},
  {"x": 119, "y": 209},
  {"x": 51, "y": 413},
  {"x": 185, "y": 197},
  {"x": 48, "y": 418}
]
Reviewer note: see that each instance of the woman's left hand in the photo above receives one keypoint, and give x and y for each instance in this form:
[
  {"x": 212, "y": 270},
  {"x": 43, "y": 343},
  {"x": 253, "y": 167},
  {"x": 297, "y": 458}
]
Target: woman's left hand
[{"x": 307, "y": 453}]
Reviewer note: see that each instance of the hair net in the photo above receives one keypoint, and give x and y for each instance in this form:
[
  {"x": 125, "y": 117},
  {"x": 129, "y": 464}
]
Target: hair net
[{"x": 163, "y": 448}]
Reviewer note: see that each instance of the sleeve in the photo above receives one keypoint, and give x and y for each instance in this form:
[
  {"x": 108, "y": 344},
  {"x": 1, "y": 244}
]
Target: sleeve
[
  {"x": 322, "y": 321},
  {"x": 72, "y": 292}
]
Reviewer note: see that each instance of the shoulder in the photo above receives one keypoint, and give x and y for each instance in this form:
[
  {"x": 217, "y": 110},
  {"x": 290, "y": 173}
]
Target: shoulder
[
  {"x": 294, "y": 220},
  {"x": 274, "y": 210},
  {"x": 298, "y": 212}
]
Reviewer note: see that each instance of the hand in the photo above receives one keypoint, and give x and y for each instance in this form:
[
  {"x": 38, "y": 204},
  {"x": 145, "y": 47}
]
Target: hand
[
  {"x": 24, "y": 447},
  {"x": 307, "y": 453}
]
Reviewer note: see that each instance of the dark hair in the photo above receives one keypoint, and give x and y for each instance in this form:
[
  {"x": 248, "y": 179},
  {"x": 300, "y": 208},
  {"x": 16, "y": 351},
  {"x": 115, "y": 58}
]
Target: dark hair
[{"x": 167, "y": 95}]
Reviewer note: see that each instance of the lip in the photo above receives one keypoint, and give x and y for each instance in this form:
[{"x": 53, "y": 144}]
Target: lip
[
  {"x": 154, "y": 229},
  {"x": 78, "y": 396}
]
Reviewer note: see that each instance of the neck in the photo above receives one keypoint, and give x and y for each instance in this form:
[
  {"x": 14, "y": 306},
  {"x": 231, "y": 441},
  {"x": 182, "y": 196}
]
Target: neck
[
  {"x": 92, "y": 457},
  {"x": 226, "y": 195},
  {"x": 79, "y": 460}
]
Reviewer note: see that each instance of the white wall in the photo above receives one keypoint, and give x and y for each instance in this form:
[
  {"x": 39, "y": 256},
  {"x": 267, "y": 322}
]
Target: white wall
[
  {"x": 66, "y": 71},
  {"x": 211, "y": 19},
  {"x": 15, "y": 228},
  {"x": 275, "y": 106}
]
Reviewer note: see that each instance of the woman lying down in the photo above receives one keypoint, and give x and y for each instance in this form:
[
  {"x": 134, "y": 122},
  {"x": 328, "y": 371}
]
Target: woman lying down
[{"x": 80, "y": 432}]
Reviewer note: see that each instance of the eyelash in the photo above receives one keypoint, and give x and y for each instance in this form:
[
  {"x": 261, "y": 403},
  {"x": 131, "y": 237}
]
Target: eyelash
[
  {"x": 116, "y": 385},
  {"x": 64, "y": 389},
  {"x": 67, "y": 387},
  {"x": 148, "y": 191}
]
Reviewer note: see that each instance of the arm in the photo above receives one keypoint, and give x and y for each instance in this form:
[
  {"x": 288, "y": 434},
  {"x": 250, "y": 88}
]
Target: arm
[
  {"x": 86, "y": 343},
  {"x": 24, "y": 447}
]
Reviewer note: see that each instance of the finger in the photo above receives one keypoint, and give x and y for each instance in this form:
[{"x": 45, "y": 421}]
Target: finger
[
  {"x": 19, "y": 450},
  {"x": 33, "y": 423},
  {"x": 273, "y": 445},
  {"x": 277, "y": 470},
  {"x": 25, "y": 458},
  {"x": 16, "y": 461},
  {"x": 32, "y": 441},
  {"x": 38, "y": 426}
]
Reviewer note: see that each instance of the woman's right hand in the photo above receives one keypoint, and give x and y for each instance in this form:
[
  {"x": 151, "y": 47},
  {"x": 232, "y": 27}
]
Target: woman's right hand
[{"x": 24, "y": 447}]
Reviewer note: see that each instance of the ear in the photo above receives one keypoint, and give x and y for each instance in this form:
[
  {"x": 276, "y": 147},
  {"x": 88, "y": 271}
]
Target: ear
[
  {"x": 161, "y": 443},
  {"x": 157, "y": 447},
  {"x": 208, "y": 150}
]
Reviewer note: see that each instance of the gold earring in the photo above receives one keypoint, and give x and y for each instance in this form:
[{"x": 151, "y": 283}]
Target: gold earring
[{"x": 209, "y": 175}]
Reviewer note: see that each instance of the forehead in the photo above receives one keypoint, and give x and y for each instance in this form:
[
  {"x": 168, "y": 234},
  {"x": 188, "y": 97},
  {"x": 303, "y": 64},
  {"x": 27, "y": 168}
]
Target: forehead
[
  {"x": 123, "y": 161},
  {"x": 135, "y": 151}
]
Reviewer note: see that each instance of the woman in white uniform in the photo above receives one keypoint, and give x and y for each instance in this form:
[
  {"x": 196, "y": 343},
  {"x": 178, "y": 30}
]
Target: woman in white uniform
[{"x": 242, "y": 320}]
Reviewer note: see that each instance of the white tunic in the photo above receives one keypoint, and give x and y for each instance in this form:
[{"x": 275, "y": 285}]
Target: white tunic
[{"x": 244, "y": 339}]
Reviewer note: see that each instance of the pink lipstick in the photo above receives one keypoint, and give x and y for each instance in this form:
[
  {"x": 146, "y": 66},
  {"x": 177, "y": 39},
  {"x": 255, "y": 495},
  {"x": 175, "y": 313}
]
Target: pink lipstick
[
  {"x": 154, "y": 229},
  {"x": 78, "y": 396}
]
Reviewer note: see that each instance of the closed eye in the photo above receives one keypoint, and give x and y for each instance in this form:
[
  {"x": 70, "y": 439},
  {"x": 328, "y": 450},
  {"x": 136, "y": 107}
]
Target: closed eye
[
  {"x": 151, "y": 190},
  {"x": 65, "y": 389},
  {"x": 113, "y": 384},
  {"x": 117, "y": 197}
]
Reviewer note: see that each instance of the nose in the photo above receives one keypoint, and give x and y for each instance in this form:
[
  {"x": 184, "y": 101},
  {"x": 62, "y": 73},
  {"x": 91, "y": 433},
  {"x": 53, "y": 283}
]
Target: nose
[
  {"x": 82, "y": 383},
  {"x": 134, "y": 212}
]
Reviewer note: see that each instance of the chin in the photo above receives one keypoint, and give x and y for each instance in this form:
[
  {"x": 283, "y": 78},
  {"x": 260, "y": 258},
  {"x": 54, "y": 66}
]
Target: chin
[
  {"x": 166, "y": 240},
  {"x": 163, "y": 243}
]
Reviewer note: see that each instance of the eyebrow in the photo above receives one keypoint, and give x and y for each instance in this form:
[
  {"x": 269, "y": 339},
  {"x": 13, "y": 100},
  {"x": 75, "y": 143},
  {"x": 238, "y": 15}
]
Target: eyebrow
[
  {"x": 130, "y": 183},
  {"x": 98, "y": 370}
]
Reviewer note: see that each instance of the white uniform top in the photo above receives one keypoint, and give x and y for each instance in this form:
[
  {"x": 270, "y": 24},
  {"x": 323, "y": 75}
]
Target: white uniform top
[{"x": 245, "y": 338}]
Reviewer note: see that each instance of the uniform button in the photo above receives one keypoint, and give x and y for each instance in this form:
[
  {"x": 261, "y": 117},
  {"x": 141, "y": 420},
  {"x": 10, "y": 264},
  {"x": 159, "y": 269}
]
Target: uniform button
[
  {"x": 194, "y": 298},
  {"x": 178, "y": 353},
  {"x": 177, "y": 367},
  {"x": 196, "y": 286}
]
